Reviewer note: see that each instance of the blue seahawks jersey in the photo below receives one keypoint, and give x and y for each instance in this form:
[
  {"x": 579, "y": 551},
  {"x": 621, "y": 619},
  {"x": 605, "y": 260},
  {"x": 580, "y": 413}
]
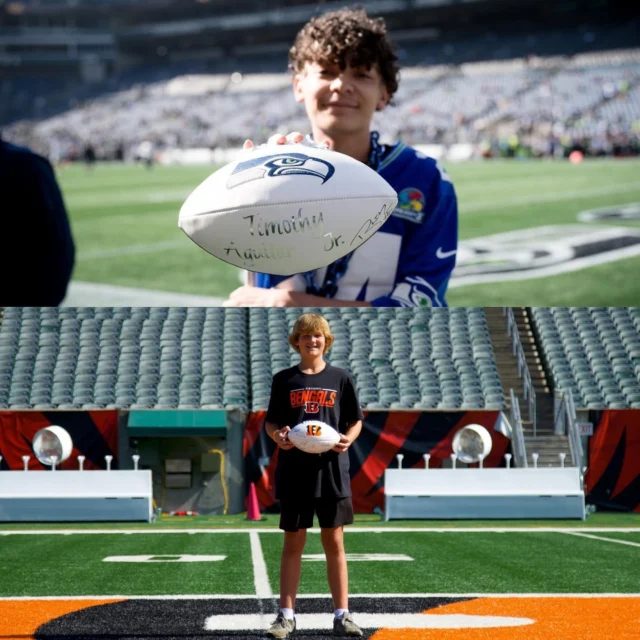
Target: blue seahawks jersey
[{"x": 409, "y": 261}]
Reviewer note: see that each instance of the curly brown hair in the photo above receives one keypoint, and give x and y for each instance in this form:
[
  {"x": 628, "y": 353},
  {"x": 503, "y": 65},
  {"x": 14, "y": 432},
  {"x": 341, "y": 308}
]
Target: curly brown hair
[{"x": 347, "y": 37}]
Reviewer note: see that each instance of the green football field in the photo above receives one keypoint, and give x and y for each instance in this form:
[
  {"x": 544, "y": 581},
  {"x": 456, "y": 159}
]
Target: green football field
[
  {"x": 233, "y": 555},
  {"x": 389, "y": 561},
  {"x": 124, "y": 221},
  {"x": 208, "y": 577}
]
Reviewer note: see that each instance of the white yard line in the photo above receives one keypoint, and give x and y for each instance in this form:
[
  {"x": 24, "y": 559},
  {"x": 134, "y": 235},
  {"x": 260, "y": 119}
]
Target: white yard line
[
  {"x": 254, "y": 622},
  {"x": 350, "y": 529},
  {"x": 94, "y": 294},
  {"x": 260, "y": 575},
  {"x": 587, "y": 535},
  {"x": 252, "y": 596}
]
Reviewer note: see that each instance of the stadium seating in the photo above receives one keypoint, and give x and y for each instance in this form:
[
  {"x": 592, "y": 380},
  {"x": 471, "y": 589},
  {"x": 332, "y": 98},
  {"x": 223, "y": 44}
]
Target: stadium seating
[
  {"x": 399, "y": 358},
  {"x": 139, "y": 358},
  {"x": 594, "y": 96},
  {"x": 214, "y": 358},
  {"x": 595, "y": 352}
]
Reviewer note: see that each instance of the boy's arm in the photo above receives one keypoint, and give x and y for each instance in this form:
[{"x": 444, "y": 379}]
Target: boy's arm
[
  {"x": 348, "y": 437},
  {"x": 429, "y": 256},
  {"x": 278, "y": 435},
  {"x": 353, "y": 431}
]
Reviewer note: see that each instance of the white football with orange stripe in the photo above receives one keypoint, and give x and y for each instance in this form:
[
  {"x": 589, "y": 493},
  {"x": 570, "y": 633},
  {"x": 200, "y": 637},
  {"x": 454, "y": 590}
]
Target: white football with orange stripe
[{"x": 314, "y": 436}]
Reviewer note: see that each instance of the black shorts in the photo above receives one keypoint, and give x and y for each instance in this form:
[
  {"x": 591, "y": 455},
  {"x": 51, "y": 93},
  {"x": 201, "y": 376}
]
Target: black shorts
[{"x": 297, "y": 514}]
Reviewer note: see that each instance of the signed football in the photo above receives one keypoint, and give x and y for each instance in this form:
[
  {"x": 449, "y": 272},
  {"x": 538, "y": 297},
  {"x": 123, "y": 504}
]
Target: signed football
[
  {"x": 286, "y": 209},
  {"x": 314, "y": 436}
]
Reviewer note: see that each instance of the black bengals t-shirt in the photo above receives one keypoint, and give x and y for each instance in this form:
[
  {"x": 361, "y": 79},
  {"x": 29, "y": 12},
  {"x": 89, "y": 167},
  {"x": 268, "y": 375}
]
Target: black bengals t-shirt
[{"x": 330, "y": 397}]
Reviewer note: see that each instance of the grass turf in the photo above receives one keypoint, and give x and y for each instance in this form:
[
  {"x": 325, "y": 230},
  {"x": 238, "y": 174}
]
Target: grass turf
[
  {"x": 474, "y": 563},
  {"x": 124, "y": 221},
  {"x": 59, "y": 565},
  {"x": 465, "y": 562}
]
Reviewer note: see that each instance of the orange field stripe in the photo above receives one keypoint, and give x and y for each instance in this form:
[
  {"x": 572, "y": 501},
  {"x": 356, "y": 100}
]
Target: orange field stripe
[
  {"x": 566, "y": 618},
  {"x": 23, "y": 617}
]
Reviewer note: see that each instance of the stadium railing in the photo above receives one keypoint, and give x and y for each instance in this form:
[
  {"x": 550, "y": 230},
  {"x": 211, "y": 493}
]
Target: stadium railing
[
  {"x": 519, "y": 448},
  {"x": 565, "y": 422},
  {"x": 523, "y": 368}
]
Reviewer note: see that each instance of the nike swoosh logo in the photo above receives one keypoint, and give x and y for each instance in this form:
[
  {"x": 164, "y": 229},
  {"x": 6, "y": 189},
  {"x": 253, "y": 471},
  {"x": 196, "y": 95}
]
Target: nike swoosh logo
[{"x": 445, "y": 254}]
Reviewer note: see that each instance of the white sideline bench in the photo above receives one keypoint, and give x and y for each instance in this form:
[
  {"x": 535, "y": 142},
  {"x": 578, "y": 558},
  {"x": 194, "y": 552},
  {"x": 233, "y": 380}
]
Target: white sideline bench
[
  {"x": 37, "y": 496},
  {"x": 471, "y": 493}
]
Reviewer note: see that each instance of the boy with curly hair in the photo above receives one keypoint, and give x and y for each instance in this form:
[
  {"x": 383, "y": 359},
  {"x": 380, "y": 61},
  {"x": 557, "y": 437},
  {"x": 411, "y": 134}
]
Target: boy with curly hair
[
  {"x": 306, "y": 483},
  {"x": 345, "y": 70}
]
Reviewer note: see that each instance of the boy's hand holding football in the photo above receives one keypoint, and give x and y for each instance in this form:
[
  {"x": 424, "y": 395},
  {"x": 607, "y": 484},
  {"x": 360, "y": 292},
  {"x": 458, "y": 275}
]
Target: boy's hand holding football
[
  {"x": 281, "y": 439},
  {"x": 343, "y": 445}
]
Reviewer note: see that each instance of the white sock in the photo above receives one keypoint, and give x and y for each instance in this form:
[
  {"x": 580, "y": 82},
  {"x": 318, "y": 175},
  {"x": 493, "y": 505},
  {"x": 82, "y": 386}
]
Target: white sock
[
  {"x": 287, "y": 613},
  {"x": 338, "y": 613}
]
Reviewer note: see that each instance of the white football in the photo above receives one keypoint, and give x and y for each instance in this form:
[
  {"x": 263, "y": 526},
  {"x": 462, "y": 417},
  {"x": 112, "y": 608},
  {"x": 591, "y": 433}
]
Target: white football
[
  {"x": 286, "y": 209},
  {"x": 314, "y": 436}
]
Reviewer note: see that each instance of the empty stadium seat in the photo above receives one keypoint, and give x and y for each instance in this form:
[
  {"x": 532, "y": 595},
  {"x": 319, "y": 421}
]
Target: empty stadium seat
[{"x": 591, "y": 351}]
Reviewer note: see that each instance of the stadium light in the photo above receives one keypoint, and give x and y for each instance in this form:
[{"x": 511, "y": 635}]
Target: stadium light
[
  {"x": 472, "y": 443},
  {"x": 50, "y": 442}
]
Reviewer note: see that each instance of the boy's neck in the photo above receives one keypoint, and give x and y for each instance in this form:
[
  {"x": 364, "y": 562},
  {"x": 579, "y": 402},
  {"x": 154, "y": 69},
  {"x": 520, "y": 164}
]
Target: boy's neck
[
  {"x": 312, "y": 365},
  {"x": 357, "y": 145}
]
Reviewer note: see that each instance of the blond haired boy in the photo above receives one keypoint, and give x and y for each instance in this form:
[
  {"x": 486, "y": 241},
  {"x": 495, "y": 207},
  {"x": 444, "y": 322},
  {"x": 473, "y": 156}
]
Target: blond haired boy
[{"x": 313, "y": 483}]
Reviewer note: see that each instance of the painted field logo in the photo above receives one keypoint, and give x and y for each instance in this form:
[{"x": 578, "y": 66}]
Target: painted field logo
[
  {"x": 542, "y": 251},
  {"x": 398, "y": 617},
  {"x": 620, "y": 212}
]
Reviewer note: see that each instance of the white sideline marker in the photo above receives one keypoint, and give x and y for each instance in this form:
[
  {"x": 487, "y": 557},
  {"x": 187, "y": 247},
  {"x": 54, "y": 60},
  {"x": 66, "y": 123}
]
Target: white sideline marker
[
  {"x": 153, "y": 559},
  {"x": 246, "y": 622},
  {"x": 361, "y": 557},
  {"x": 352, "y": 529},
  {"x": 260, "y": 575},
  {"x": 587, "y": 535}
]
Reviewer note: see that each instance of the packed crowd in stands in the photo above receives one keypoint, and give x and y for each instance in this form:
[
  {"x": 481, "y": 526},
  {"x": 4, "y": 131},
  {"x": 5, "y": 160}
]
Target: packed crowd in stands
[{"x": 524, "y": 107}]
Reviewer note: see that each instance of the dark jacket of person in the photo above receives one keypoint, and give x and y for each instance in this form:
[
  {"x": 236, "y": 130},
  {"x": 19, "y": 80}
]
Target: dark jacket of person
[{"x": 37, "y": 253}]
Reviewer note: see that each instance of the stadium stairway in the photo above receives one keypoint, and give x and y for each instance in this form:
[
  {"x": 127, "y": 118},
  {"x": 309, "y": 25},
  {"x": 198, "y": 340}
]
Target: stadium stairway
[{"x": 547, "y": 445}]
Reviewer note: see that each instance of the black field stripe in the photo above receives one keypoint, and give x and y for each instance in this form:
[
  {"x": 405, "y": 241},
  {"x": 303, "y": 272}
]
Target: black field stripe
[
  {"x": 185, "y": 619},
  {"x": 85, "y": 434}
]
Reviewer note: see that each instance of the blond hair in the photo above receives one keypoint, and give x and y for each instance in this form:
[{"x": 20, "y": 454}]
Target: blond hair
[{"x": 307, "y": 324}]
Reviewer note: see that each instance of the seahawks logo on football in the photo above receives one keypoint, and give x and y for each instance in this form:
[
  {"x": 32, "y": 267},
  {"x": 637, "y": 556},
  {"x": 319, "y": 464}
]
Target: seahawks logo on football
[
  {"x": 314, "y": 430},
  {"x": 282, "y": 164}
]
